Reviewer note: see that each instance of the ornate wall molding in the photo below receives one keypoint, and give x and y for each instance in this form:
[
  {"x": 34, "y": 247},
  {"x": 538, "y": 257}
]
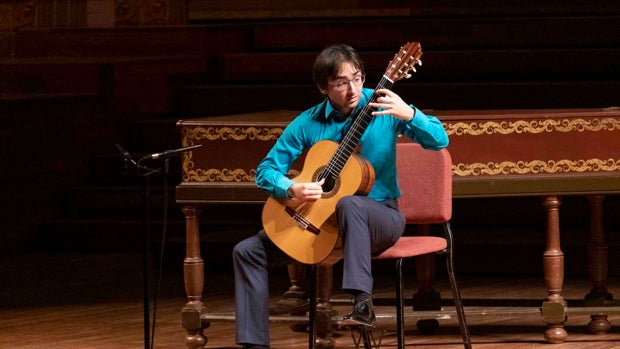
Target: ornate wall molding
[
  {"x": 531, "y": 126},
  {"x": 127, "y": 12},
  {"x": 197, "y": 134},
  {"x": 14, "y": 15},
  {"x": 536, "y": 167},
  {"x": 155, "y": 12},
  {"x": 5, "y": 17},
  {"x": 533, "y": 165},
  {"x": 219, "y": 175},
  {"x": 215, "y": 175},
  {"x": 193, "y": 135},
  {"x": 230, "y": 133},
  {"x": 142, "y": 12},
  {"x": 24, "y": 14}
]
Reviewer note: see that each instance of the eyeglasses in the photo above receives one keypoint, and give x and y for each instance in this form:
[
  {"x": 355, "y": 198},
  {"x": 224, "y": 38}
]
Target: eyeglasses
[{"x": 344, "y": 84}]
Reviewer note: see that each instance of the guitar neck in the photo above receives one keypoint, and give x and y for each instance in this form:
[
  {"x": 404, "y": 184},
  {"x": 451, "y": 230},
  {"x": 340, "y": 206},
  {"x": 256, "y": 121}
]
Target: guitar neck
[{"x": 354, "y": 134}]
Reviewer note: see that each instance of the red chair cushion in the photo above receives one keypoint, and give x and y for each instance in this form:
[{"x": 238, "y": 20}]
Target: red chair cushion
[{"x": 410, "y": 246}]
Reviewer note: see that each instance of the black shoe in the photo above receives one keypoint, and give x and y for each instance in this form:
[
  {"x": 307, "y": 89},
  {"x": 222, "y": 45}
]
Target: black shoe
[{"x": 362, "y": 315}]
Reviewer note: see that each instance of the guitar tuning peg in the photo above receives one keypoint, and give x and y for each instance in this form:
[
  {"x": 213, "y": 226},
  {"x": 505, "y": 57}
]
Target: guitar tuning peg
[
  {"x": 407, "y": 76},
  {"x": 420, "y": 62},
  {"x": 413, "y": 68}
]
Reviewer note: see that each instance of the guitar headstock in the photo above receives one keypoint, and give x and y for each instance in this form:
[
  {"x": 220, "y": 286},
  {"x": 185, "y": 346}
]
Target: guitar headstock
[{"x": 404, "y": 62}]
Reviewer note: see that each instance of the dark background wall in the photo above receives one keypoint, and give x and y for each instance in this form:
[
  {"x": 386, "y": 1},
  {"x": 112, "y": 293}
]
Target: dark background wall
[{"x": 78, "y": 77}]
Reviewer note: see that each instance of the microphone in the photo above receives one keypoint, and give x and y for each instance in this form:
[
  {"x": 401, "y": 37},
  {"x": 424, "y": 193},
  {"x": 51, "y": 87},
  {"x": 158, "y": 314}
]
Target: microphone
[
  {"x": 169, "y": 153},
  {"x": 125, "y": 153}
]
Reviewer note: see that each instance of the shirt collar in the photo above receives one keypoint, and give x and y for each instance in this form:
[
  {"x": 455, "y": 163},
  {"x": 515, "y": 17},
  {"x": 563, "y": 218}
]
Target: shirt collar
[{"x": 333, "y": 114}]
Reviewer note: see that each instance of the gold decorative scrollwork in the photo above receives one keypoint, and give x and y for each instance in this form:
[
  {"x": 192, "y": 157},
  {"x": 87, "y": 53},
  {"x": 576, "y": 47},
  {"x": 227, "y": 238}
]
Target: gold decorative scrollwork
[
  {"x": 193, "y": 135},
  {"x": 531, "y": 126},
  {"x": 232, "y": 133},
  {"x": 143, "y": 12},
  {"x": 219, "y": 175},
  {"x": 535, "y": 167}
]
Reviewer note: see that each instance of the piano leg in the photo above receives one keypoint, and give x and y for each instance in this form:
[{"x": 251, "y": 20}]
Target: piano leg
[
  {"x": 294, "y": 301},
  {"x": 597, "y": 266},
  {"x": 554, "y": 306},
  {"x": 193, "y": 275}
]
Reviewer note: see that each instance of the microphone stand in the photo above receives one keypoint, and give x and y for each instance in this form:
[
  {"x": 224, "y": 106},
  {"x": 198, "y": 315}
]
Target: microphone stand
[{"x": 146, "y": 172}]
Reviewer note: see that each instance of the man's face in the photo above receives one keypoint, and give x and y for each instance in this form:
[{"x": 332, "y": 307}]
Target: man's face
[{"x": 344, "y": 89}]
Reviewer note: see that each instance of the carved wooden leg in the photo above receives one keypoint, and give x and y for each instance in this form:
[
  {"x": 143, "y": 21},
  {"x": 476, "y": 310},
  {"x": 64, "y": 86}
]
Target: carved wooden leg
[
  {"x": 324, "y": 313},
  {"x": 554, "y": 306},
  {"x": 597, "y": 266},
  {"x": 426, "y": 298},
  {"x": 297, "y": 276},
  {"x": 193, "y": 276},
  {"x": 294, "y": 300}
]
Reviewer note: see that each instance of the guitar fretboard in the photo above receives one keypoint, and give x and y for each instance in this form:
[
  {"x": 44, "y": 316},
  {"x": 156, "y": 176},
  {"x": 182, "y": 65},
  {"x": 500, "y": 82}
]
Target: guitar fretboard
[{"x": 353, "y": 135}]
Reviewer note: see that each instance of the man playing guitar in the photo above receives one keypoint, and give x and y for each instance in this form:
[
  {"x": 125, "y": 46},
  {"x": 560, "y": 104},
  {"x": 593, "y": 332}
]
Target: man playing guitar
[{"x": 367, "y": 219}]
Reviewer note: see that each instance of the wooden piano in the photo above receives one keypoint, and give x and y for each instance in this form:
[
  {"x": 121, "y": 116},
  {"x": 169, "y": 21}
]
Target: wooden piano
[{"x": 495, "y": 153}]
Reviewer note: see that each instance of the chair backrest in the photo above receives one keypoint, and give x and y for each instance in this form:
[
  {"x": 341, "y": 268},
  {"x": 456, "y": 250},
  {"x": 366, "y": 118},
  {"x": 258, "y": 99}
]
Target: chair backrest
[{"x": 425, "y": 180}]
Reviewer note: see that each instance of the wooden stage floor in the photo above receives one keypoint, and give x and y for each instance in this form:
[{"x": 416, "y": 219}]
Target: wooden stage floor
[{"x": 56, "y": 301}]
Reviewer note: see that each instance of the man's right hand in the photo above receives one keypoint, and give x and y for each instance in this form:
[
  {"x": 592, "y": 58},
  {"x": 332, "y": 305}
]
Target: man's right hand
[{"x": 306, "y": 192}]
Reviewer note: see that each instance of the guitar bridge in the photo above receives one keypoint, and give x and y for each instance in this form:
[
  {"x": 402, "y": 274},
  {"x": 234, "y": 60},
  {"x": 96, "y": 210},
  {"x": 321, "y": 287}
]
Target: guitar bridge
[{"x": 301, "y": 221}]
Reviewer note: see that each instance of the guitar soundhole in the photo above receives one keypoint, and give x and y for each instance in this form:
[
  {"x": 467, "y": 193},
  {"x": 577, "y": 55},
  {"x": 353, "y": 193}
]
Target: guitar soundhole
[{"x": 331, "y": 185}]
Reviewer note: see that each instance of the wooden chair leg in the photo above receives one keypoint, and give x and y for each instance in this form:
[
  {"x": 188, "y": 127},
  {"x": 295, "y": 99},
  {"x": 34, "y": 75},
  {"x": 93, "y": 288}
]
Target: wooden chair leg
[
  {"x": 312, "y": 307},
  {"x": 455, "y": 291},
  {"x": 400, "y": 306}
]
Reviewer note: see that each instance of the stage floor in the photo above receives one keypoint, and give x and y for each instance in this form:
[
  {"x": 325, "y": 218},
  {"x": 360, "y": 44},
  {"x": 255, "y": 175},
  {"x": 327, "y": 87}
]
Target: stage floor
[{"x": 85, "y": 301}]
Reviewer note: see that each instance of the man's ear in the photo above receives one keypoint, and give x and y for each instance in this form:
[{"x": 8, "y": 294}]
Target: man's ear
[{"x": 323, "y": 90}]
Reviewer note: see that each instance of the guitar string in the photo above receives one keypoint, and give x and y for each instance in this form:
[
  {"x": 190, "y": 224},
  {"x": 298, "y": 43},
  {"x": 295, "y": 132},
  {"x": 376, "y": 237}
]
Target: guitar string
[
  {"x": 360, "y": 124},
  {"x": 340, "y": 157},
  {"x": 344, "y": 151}
]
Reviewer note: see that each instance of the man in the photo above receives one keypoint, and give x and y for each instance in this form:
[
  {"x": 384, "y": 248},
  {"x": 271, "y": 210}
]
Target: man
[{"x": 367, "y": 224}]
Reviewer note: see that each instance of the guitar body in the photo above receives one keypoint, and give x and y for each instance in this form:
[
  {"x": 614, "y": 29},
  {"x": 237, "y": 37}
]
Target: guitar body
[{"x": 308, "y": 232}]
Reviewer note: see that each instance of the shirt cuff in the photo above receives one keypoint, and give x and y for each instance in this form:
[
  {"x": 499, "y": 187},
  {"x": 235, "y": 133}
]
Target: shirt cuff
[
  {"x": 282, "y": 187},
  {"x": 420, "y": 120}
]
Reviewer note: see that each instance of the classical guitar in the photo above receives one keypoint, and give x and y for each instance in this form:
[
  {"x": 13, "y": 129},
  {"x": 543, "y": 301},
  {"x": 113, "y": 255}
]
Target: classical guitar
[{"x": 308, "y": 232}]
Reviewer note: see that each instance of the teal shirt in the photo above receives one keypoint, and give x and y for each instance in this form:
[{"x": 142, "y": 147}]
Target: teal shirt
[{"x": 378, "y": 145}]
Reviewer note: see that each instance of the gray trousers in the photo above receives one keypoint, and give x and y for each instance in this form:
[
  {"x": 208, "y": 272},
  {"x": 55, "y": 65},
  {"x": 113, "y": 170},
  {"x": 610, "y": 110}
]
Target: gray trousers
[{"x": 366, "y": 227}]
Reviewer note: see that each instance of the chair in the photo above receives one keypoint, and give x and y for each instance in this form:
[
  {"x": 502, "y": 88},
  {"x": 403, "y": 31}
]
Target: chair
[{"x": 425, "y": 178}]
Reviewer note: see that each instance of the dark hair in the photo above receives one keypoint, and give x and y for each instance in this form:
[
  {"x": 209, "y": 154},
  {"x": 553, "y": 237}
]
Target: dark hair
[{"x": 329, "y": 61}]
